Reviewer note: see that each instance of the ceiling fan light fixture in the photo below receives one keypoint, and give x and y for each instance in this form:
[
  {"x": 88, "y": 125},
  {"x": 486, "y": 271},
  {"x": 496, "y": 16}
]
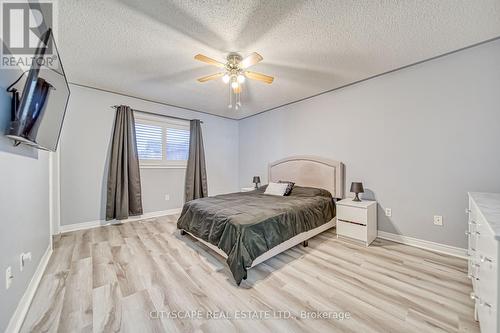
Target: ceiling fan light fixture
[{"x": 235, "y": 74}]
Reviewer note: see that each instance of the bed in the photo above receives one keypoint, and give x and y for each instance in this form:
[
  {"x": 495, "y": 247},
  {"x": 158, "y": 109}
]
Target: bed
[{"x": 248, "y": 228}]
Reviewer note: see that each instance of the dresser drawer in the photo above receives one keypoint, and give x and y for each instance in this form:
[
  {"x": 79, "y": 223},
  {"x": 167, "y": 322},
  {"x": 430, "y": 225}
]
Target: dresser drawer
[
  {"x": 486, "y": 243},
  {"x": 484, "y": 287},
  {"x": 487, "y": 318},
  {"x": 352, "y": 230},
  {"x": 352, "y": 214},
  {"x": 474, "y": 222},
  {"x": 473, "y": 211},
  {"x": 473, "y": 272},
  {"x": 487, "y": 283}
]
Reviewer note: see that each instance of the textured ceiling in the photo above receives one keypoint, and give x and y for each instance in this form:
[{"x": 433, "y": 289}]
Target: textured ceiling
[{"x": 146, "y": 48}]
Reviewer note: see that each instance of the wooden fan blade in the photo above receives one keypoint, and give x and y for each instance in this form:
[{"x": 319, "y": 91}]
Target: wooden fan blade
[
  {"x": 260, "y": 77},
  {"x": 251, "y": 60},
  {"x": 210, "y": 61},
  {"x": 210, "y": 77}
]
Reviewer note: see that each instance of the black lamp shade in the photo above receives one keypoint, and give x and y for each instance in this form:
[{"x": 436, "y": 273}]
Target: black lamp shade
[{"x": 357, "y": 188}]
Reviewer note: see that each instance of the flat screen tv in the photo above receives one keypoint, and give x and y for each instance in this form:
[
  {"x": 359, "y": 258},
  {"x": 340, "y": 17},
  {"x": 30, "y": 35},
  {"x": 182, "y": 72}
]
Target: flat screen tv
[{"x": 37, "y": 117}]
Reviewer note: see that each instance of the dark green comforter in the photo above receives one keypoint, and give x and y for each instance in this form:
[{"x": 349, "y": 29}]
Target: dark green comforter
[{"x": 245, "y": 225}]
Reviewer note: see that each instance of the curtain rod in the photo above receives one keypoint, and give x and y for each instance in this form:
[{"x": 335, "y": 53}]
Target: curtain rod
[{"x": 156, "y": 114}]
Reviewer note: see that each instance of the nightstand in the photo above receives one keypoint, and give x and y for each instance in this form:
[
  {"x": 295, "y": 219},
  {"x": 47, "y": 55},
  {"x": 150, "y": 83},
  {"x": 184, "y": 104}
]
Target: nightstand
[
  {"x": 357, "y": 220},
  {"x": 247, "y": 189}
]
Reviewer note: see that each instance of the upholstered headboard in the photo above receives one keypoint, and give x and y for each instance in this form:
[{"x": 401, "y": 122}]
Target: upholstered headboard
[{"x": 310, "y": 171}]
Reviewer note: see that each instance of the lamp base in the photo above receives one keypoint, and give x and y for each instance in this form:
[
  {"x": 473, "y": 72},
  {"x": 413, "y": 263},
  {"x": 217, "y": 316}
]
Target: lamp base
[{"x": 356, "y": 198}]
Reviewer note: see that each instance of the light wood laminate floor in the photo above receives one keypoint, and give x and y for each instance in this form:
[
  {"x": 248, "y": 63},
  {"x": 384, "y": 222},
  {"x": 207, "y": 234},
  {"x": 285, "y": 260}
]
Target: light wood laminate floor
[{"x": 121, "y": 278}]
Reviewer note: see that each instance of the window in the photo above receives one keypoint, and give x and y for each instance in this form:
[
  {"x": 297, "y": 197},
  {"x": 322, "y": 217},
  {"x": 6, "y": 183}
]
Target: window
[{"x": 162, "y": 142}]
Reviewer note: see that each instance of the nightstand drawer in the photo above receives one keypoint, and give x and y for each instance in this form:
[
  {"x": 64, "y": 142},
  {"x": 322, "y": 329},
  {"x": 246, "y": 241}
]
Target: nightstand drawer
[
  {"x": 352, "y": 214},
  {"x": 351, "y": 230}
]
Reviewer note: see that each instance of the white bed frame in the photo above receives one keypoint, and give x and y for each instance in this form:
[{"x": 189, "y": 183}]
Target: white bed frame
[{"x": 303, "y": 171}]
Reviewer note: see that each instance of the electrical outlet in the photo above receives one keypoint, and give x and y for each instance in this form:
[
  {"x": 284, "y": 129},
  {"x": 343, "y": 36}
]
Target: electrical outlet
[
  {"x": 23, "y": 258},
  {"x": 167, "y": 197},
  {"x": 8, "y": 277},
  {"x": 438, "y": 220},
  {"x": 388, "y": 212}
]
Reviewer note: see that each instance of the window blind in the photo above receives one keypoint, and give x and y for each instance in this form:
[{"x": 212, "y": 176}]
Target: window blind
[
  {"x": 149, "y": 141},
  {"x": 177, "y": 144},
  {"x": 161, "y": 141}
]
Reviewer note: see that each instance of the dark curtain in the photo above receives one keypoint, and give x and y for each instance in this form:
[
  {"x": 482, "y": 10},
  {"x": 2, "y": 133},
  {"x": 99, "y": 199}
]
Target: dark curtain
[
  {"x": 124, "y": 179},
  {"x": 196, "y": 172}
]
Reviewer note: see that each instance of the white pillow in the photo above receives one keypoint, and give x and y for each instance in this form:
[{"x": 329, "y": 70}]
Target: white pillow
[{"x": 276, "y": 189}]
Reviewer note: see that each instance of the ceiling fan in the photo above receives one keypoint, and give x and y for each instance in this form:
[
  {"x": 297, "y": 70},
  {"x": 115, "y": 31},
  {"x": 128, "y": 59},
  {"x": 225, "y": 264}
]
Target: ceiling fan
[{"x": 234, "y": 72}]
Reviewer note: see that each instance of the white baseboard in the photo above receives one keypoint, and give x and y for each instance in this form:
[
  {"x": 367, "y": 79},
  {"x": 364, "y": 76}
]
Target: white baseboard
[
  {"x": 423, "y": 244},
  {"x": 99, "y": 223},
  {"x": 17, "y": 319}
]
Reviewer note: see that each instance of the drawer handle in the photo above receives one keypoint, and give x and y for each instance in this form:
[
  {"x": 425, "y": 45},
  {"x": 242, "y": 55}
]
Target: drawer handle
[
  {"x": 467, "y": 210},
  {"x": 472, "y": 222},
  {"x": 468, "y": 233},
  {"x": 485, "y": 259},
  {"x": 352, "y": 222},
  {"x": 470, "y": 276},
  {"x": 481, "y": 302},
  {"x": 471, "y": 254},
  {"x": 486, "y": 304},
  {"x": 474, "y": 264}
]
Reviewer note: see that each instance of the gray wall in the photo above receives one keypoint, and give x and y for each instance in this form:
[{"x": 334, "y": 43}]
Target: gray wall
[
  {"x": 418, "y": 139},
  {"x": 24, "y": 207},
  {"x": 84, "y": 150}
]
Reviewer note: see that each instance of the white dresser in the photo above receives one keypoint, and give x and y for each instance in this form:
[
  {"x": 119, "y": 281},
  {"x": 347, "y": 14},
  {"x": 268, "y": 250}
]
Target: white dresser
[{"x": 484, "y": 235}]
